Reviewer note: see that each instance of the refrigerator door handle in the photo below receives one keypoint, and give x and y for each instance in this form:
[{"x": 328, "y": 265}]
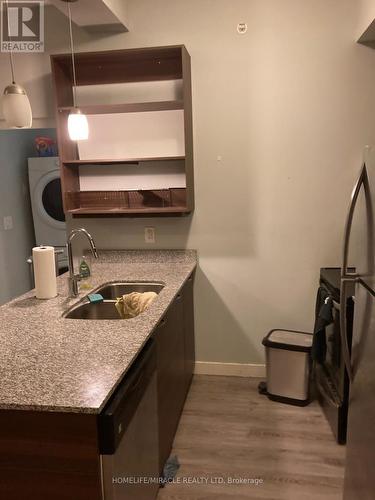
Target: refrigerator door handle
[
  {"x": 349, "y": 222},
  {"x": 347, "y": 277}
]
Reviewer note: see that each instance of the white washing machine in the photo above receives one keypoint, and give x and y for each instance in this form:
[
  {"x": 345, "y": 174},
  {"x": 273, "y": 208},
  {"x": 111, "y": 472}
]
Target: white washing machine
[{"x": 47, "y": 205}]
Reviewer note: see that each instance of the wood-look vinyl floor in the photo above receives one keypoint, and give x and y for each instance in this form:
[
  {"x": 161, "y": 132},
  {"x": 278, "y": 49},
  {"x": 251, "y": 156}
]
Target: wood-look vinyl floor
[{"x": 228, "y": 430}]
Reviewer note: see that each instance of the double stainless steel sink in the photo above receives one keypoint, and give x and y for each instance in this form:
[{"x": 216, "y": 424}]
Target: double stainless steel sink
[
  {"x": 106, "y": 310},
  {"x": 112, "y": 291}
]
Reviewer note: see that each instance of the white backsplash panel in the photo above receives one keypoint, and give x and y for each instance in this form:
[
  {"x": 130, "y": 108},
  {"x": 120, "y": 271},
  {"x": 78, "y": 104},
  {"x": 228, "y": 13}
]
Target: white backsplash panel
[
  {"x": 146, "y": 175},
  {"x": 126, "y": 136},
  {"x": 119, "y": 93}
]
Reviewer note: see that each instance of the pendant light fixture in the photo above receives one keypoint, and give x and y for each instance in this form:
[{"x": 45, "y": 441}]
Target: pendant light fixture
[
  {"x": 78, "y": 126},
  {"x": 15, "y": 103}
]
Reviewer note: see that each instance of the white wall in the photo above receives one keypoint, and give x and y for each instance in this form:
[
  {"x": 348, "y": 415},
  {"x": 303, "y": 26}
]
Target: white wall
[{"x": 288, "y": 107}]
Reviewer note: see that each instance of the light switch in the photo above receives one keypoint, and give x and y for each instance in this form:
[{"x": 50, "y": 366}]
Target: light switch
[
  {"x": 149, "y": 234},
  {"x": 8, "y": 222}
]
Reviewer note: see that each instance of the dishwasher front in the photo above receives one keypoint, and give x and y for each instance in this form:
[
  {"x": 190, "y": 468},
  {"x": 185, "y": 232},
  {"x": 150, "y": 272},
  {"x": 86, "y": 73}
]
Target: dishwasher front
[{"x": 128, "y": 434}]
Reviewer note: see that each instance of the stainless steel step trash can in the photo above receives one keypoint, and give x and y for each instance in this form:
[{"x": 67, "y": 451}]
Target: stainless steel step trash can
[{"x": 288, "y": 365}]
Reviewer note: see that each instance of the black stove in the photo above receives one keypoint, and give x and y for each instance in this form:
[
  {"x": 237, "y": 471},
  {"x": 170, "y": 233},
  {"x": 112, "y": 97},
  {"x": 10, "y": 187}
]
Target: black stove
[
  {"x": 330, "y": 277},
  {"x": 331, "y": 379}
]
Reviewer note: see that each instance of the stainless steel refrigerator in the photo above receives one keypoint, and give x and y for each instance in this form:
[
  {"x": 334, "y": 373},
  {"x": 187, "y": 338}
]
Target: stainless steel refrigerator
[{"x": 359, "y": 250}]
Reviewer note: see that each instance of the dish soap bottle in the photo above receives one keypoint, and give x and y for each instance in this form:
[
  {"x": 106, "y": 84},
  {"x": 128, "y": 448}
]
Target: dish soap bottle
[{"x": 84, "y": 273}]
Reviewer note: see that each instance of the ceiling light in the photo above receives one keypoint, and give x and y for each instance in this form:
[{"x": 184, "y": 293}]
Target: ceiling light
[
  {"x": 78, "y": 126},
  {"x": 15, "y": 103}
]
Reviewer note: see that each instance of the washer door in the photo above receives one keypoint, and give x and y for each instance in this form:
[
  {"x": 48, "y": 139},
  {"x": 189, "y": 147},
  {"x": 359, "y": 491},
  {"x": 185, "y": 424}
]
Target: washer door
[{"x": 48, "y": 199}]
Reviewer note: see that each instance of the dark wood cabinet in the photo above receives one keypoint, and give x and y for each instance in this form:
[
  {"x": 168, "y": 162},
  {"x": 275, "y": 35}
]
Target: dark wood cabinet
[
  {"x": 46, "y": 455},
  {"x": 171, "y": 376},
  {"x": 176, "y": 358},
  {"x": 189, "y": 334}
]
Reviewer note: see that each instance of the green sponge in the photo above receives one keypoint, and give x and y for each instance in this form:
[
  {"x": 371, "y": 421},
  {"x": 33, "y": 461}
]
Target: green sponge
[{"x": 95, "y": 298}]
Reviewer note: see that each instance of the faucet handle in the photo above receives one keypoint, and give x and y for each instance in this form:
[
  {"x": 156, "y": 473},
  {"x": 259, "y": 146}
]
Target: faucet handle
[{"x": 73, "y": 285}]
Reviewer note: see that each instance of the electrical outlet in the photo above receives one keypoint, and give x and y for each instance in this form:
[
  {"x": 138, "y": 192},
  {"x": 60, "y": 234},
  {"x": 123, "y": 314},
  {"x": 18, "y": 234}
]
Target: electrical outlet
[
  {"x": 8, "y": 223},
  {"x": 149, "y": 234}
]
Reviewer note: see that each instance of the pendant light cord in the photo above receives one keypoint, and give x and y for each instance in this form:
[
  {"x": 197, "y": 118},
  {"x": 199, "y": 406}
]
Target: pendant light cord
[
  {"x": 73, "y": 59},
  {"x": 11, "y": 50},
  {"x": 12, "y": 67}
]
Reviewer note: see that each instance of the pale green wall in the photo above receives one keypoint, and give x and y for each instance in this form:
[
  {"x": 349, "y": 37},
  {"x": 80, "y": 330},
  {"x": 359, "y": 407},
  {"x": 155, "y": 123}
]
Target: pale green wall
[
  {"x": 288, "y": 107},
  {"x": 15, "y": 245}
]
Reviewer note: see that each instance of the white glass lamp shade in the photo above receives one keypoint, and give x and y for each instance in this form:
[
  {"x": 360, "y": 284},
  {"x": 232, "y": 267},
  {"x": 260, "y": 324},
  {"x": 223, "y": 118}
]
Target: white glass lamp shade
[
  {"x": 16, "y": 107},
  {"x": 78, "y": 126}
]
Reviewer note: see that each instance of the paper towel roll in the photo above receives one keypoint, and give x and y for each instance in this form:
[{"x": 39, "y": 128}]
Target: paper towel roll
[{"x": 45, "y": 272}]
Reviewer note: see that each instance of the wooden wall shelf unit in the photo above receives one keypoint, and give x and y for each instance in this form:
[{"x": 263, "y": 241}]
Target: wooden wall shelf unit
[
  {"x": 122, "y": 160},
  {"x": 137, "y": 107},
  {"x": 131, "y": 66}
]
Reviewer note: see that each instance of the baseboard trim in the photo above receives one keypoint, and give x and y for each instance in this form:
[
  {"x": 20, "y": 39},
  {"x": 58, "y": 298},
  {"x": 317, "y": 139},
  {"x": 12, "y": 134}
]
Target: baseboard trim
[{"x": 230, "y": 369}]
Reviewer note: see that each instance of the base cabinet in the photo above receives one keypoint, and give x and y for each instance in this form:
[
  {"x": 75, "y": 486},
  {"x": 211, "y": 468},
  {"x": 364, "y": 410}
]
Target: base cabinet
[
  {"x": 189, "y": 334},
  {"x": 47, "y": 455},
  {"x": 176, "y": 358},
  {"x": 171, "y": 376}
]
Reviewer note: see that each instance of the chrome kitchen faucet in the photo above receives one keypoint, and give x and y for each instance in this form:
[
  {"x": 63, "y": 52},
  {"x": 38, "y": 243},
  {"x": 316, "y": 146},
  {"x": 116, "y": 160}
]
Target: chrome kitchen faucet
[{"x": 75, "y": 278}]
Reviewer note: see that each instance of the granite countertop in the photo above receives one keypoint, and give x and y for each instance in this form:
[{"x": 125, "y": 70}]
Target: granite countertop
[{"x": 48, "y": 363}]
